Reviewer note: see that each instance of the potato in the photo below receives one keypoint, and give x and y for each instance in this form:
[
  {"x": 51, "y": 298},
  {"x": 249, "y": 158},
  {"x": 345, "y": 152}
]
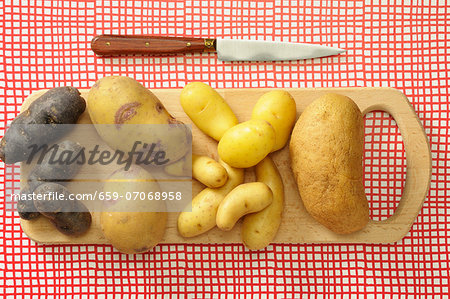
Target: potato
[
  {"x": 127, "y": 229},
  {"x": 242, "y": 200},
  {"x": 202, "y": 168},
  {"x": 25, "y": 207},
  {"x": 70, "y": 217},
  {"x": 202, "y": 218},
  {"x": 181, "y": 168},
  {"x": 279, "y": 109},
  {"x": 134, "y": 232},
  {"x": 58, "y": 170},
  {"x": 128, "y": 108},
  {"x": 207, "y": 109},
  {"x": 246, "y": 144},
  {"x": 48, "y": 207},
  {"x": 49, "y": 171},
  {"x": 260, "y": 228},
  {"x": 72, "y": 223},
  {"x": 61, "y": 105},
  {"x": 208, "y": 172},
  {"x": 326, "y": 149}
]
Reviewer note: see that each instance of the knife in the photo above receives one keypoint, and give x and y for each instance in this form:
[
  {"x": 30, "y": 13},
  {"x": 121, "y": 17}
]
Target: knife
[{"x": 227, "y": 49}]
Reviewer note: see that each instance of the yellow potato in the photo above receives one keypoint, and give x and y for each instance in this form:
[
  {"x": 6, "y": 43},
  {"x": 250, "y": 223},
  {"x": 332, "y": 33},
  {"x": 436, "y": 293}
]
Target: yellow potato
[
  {"x": 259, "y": 229},
  {"x": 182, "y": 167},
  {"x": 128, "y": 230},
  {"x": 122, "y": 109},
  {"x": 202, "y": 218},
  {"x": 242, "y": 200},
  {"x": 208, "y": 172},
  {"x": 279, "y": 109},
  {"x": 326, "y": 150},
  {"x": 202, "y": 168},
  {"x": 133, "y": 232},
  {"x": 207, "y": 109},
  {"x": 246, "y": 144}
]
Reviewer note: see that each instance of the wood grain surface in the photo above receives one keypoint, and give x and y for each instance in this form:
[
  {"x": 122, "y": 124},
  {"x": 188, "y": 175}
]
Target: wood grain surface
[
  {"x": 297, "y": 225},
  {"x": 111, "y": 45}
]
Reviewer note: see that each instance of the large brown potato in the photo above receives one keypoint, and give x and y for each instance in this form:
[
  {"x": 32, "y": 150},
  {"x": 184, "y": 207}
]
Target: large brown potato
[{"x": 326, "y": 150}]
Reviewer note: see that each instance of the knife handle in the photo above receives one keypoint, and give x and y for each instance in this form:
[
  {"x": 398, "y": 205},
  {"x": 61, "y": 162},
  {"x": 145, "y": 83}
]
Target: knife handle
[{"x": 111, "y": 45}]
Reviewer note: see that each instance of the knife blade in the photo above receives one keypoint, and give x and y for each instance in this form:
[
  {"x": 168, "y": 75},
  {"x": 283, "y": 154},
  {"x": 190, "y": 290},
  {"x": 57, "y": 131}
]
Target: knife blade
[{"x": 227, "y": 49}]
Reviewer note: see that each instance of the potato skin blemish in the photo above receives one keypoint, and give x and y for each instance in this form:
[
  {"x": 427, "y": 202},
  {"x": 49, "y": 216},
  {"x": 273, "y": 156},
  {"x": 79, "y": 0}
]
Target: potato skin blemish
[{"x": 125, "y": 112}]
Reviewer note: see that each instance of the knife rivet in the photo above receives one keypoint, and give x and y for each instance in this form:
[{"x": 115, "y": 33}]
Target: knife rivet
[
  {"x": 147, "y": 44},
  {"x": 108, "y": 43},
  {"x": 188, "y": 44}
]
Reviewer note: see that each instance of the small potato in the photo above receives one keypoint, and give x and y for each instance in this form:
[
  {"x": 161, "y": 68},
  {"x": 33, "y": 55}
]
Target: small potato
[
  {"x": 242, "y": 200},
  {"x": 246, "y": 144},
  {"x": 259, "y": 229},
  {"x": 72, "y": 223},
  {"x": 208, "y": 172},
  {"x": 48, "y": 207},
  {"x": 181, "y": 168},
  {"x": 205, "y": 204},
  {"x": 207, "y": 109},
  {"x": 61, "y": 173},
  {"x": 202, "y": 168},
  {"x": 70, "y": 217},
  {"x": 47, "y": 171},
  {"x": 25, "y": 207},
  {"x": 61, "y": 105},
  {"x": 278, "y": 108},
  {"x": 127, "y": 229}
]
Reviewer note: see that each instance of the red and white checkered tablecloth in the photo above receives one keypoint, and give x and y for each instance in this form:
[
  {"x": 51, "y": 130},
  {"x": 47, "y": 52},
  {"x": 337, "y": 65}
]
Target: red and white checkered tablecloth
[{"x": 401, "y": 44}]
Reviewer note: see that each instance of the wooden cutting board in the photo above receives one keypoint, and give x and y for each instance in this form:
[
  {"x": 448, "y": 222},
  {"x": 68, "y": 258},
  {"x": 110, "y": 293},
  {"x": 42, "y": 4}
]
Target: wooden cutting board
[{"x": 297, "y": 225}]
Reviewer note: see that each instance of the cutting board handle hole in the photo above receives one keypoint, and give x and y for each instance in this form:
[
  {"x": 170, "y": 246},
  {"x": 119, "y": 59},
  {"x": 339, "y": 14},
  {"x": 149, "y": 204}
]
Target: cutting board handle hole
[{"x": 384, "y": 164}]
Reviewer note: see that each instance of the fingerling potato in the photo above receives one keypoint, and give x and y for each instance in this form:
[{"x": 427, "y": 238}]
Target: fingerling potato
[
  {"x": 244, "y": 199},
  {"x": 208, "y": 171},
  {"x": 246, "y": 144},
  {"x": 182, "y": 167},
  {"x": 202, "y": 218},
  {"x": 279, "y": 109},
  {"x": 260, "y": 228},
  {"x": 207, "y": 109}
]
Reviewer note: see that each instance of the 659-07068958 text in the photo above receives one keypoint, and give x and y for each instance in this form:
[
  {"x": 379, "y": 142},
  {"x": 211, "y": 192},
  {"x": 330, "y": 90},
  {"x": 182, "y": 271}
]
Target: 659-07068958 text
[{"x": 106, "y": 196}]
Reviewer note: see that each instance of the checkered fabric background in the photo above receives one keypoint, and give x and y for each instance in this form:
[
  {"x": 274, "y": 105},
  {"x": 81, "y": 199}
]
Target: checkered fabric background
[{"x": 400, "y": 44}]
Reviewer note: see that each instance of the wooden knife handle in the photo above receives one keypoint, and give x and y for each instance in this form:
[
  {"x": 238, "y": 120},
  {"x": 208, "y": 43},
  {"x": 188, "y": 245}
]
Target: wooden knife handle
[{"x": 111, "y": 45}]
